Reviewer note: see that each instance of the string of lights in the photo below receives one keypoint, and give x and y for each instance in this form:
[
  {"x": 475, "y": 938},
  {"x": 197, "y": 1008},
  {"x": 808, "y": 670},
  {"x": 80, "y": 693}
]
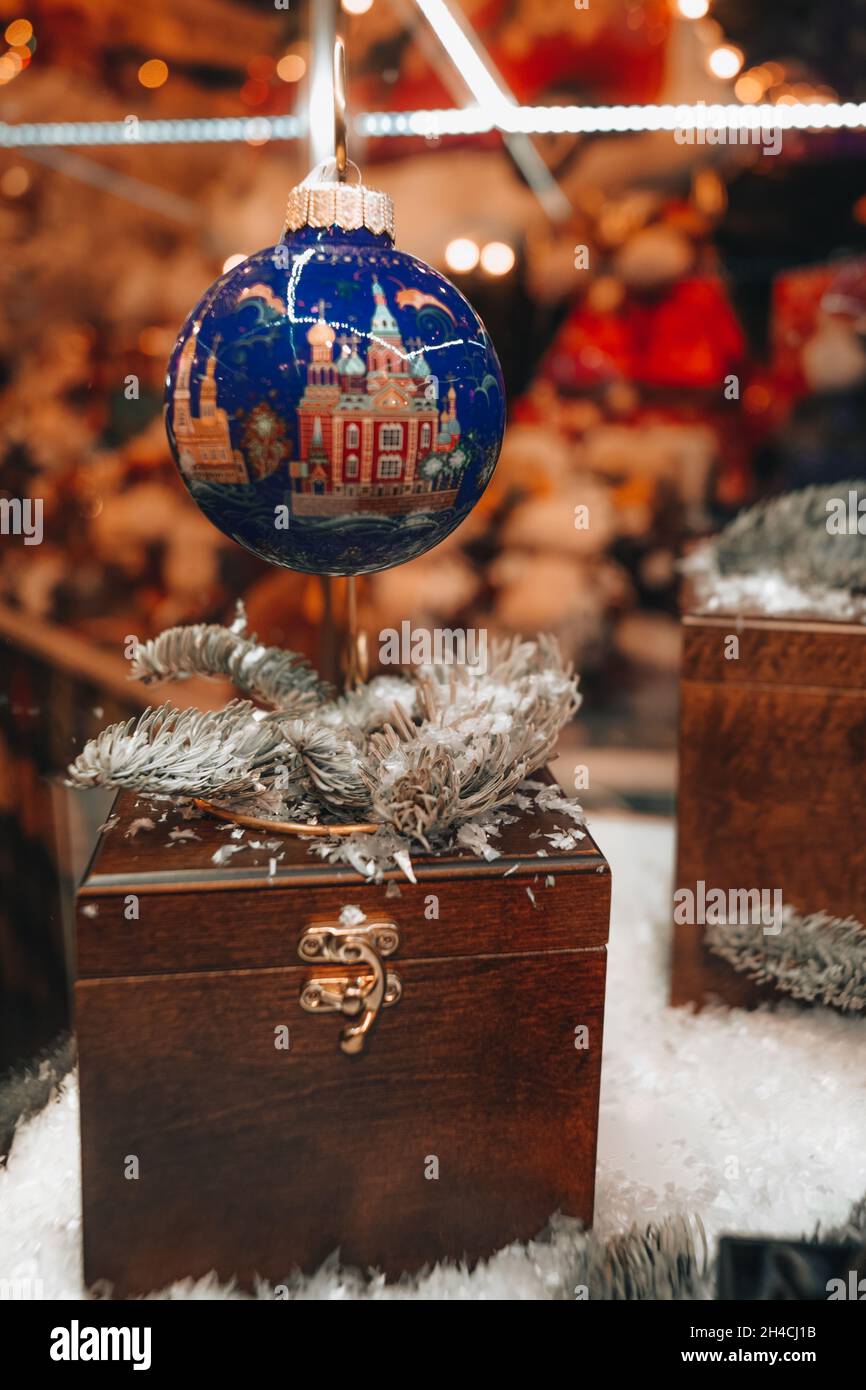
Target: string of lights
[
  {"x": 132, "y": 131},
  {"x": 579, "y": 120},
  {"x": 529, "y": 120}
]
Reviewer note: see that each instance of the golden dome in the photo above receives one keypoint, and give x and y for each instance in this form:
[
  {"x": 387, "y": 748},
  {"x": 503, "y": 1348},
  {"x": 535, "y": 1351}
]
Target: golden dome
[{"x": 321, "y": 334}]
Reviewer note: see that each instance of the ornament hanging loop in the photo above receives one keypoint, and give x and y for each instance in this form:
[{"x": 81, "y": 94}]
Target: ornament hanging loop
[{"x": 341, "y": 152}]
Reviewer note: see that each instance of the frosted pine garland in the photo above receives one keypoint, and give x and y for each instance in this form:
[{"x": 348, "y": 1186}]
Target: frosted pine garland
[
  {"x": 168, "y": 750},
  {"x": 778, "y": 559},
  {"x": 276, "y": 677},
  {"x": 818, "y": 958},
  {"x": 422, "y": 755}
]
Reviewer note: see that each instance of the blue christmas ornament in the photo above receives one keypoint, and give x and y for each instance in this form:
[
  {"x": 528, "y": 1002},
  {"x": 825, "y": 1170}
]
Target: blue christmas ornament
[{"x": 333, "y": 404}]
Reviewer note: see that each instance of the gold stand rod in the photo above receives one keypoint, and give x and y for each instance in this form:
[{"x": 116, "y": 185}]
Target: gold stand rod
[{"x": 356, "y": 661}]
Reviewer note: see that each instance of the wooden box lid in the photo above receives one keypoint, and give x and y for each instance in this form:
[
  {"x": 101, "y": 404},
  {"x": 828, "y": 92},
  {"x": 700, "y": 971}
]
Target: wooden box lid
[
  {"x": 194, "y": 914},
  {"x": 775, "y": 651}
]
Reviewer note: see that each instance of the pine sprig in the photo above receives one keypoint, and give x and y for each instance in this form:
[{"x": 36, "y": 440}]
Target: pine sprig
[
  {"x": 284, "y": 680},
  {"x": 789, "y": 535},
  {"x": 479, "y": 736},
  {"x": 331, "y": 761},
  {"x": 167, "y": 750},
  {"x": 818, "y": 958}
]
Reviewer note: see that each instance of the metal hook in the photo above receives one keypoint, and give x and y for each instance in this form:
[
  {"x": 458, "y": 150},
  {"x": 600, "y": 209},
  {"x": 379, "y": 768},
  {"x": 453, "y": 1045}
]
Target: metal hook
[
  {"x": 341, "y": 153},
  {"x": 358, "y": 997}
]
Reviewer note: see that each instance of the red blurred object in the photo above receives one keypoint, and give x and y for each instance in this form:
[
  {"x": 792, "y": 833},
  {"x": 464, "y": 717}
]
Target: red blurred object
[
  {"x": 797, "y": 302},
  {"x": 691, "y": 339},
  {"x": 688, "y": 337}
]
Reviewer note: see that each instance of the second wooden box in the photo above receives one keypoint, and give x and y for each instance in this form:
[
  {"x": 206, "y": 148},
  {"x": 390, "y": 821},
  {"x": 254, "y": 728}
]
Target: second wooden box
[{"x": 771, "y": 783}]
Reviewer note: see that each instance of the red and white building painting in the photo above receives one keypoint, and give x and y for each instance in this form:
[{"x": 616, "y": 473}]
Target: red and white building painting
[{"x": 370, "y": 433}]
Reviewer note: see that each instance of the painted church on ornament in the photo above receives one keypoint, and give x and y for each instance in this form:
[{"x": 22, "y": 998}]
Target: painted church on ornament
[{"x": 371, "y": 434}]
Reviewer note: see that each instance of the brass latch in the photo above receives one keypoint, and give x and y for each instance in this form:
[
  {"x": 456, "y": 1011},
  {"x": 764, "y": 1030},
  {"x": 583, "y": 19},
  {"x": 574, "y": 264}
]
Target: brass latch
[{"x": 357, "y": 996}]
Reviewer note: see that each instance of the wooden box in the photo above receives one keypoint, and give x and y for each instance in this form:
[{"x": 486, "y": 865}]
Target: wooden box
[
  {"x": 771, "y": 780},
  {"x": 225, "y": 1127}
]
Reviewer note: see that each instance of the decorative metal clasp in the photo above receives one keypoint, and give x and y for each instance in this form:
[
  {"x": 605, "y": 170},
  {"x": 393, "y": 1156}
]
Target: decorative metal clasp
[{"x": 360, "y": 996}]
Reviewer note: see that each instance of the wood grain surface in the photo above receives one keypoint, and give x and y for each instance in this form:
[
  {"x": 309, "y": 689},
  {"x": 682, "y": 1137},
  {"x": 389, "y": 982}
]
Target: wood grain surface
[
  {"x": 254, "y": 1160},
  {"x": 195, "y": 916},
  {"x": 153, "y": 863},
  {"x": 829, "y": 656}
]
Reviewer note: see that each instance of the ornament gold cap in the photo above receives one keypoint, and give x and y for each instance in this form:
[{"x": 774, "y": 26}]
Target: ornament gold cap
[{"x": 322, "y": 202}]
